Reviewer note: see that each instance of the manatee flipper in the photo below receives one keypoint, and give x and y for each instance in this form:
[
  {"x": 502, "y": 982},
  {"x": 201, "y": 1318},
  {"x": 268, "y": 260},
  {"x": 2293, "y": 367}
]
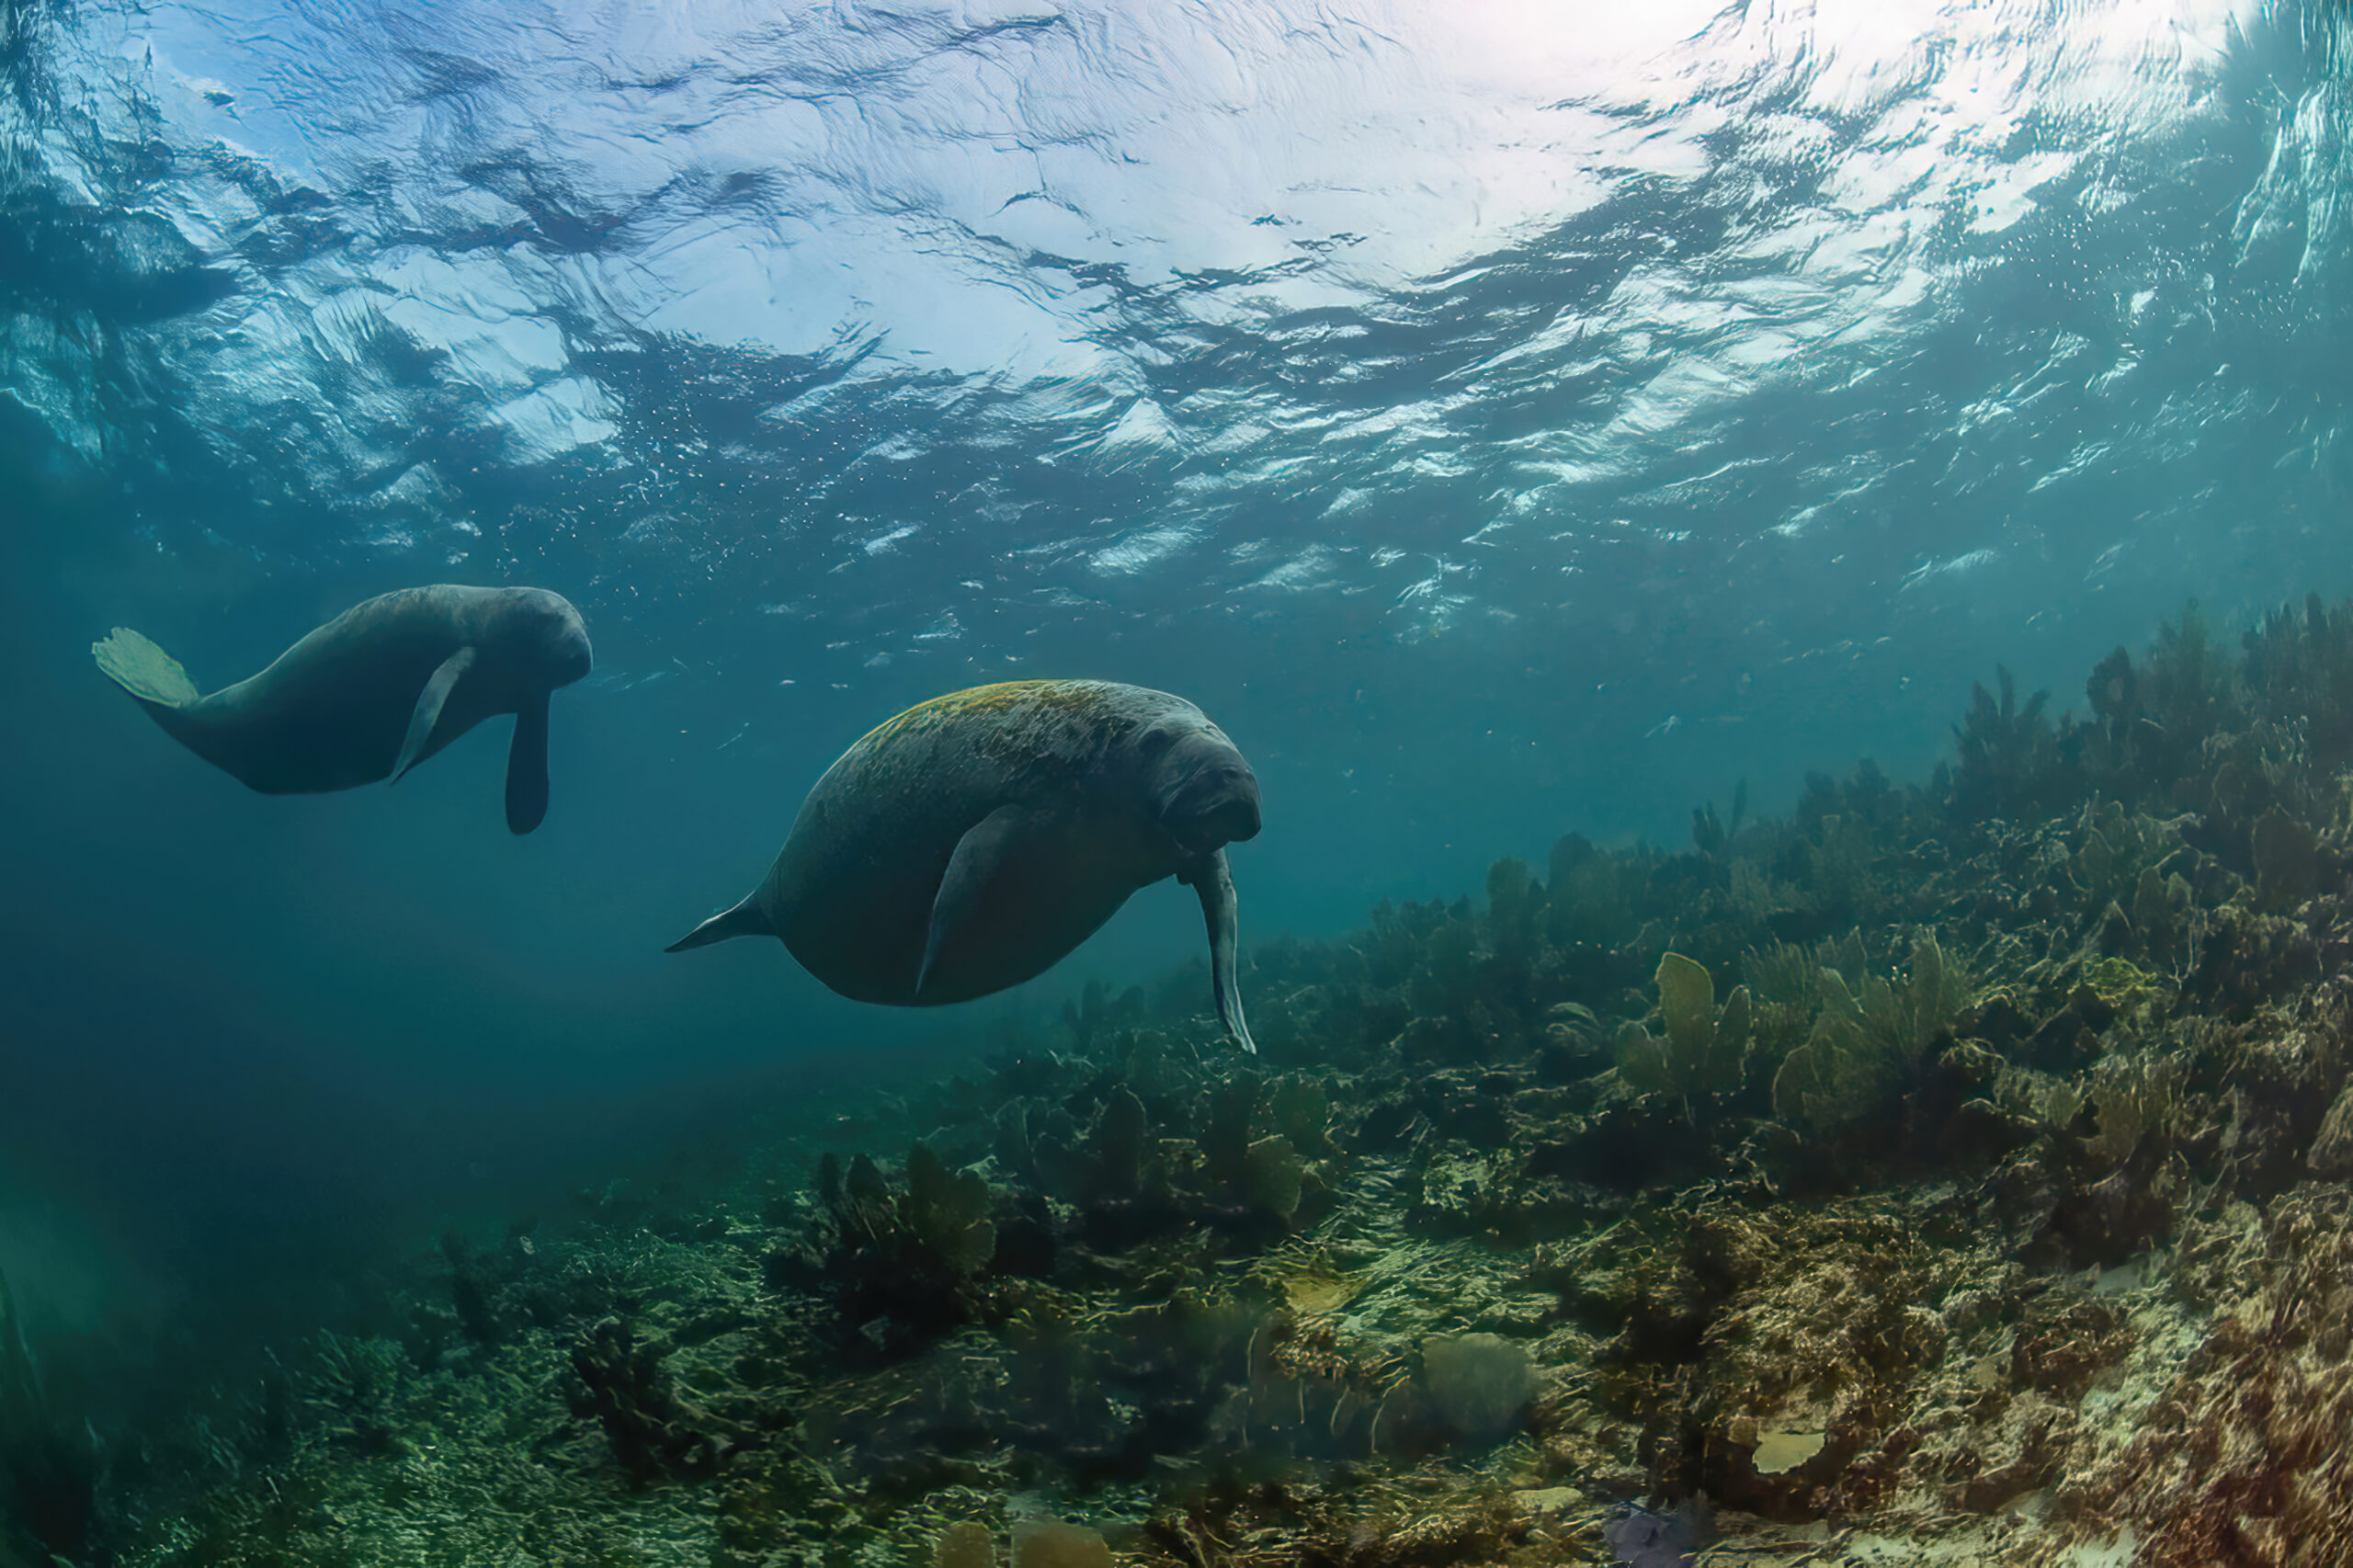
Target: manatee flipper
[
  {"x": 1214, "y": 882},
  {"x": 428, "y": 712},
  {"x": 142, "y": 669},
  {"x": 526, "y": 767},
  {"x": 746, "y": 919},
  {"x": 963, "y": 903}
]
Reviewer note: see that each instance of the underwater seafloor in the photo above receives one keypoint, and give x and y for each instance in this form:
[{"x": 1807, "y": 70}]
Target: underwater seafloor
[{"x": 1945, "y": 1173}]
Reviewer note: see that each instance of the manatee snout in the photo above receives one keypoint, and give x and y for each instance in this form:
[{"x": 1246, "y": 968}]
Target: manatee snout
[
  {"x": 557, "y": 638},
  {"x": 1217, "y": 802},
  {"x": 569, "y": 657}
]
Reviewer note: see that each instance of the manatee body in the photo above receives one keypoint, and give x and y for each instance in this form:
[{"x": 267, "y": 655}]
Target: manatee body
[
  {"x": 970, "y": 843},
  {"x": 375, "y": 691}
]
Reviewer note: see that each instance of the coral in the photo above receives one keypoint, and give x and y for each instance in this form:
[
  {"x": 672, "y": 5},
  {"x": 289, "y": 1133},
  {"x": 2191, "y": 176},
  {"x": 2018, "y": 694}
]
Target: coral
[
  {"x": 1784, "y": 995},
  {"x": 1245, "y": 1156},
  {"x": 1841, "y": 866},
  {"x": 2245, "y": 957},
  {"x": 1592, "y": 901},
  {"x": 1712, "y": 835},
  {"x": 1865, "y": 1046},
  {"x": 2331, "y": 1156},
  {"x": 353, "y": 1386},
  {"x": 1702, "y": 1050},
  {"x": 1265, "y": 1171},
  {"x": 1516, "y": 906},
  {"x": 943, "y": 1217},
  {"x": 654, "y": 1433},
  {"x": 2133, "y": 1100},
  {"x": 2185, "y": 689},
  {"x": 2008, "y": 759},
  {"x": 2115, "y": 850},
  {"x": 473, "y": 1282},
  {"x": 2164, "y": 921},
  {"x": 2113, "y": 690},
  {"x": 903, "y": 1261},
  {"x": 2299, "y": 670}
]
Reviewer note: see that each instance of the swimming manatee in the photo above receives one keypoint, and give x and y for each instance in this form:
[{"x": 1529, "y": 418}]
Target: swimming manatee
[
  {"x": 375, "y": 691},
  {"x": 970, "y": 843}
]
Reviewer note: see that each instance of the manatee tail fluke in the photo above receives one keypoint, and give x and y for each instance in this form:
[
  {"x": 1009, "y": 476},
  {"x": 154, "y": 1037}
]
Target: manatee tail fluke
[
  {"x": 746, "y": 919},
  {"x": 145, "y": 671}
]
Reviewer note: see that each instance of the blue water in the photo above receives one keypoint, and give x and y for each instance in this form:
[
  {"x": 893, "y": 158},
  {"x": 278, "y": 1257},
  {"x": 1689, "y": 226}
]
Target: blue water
[{"x": 1500, "y": 425}]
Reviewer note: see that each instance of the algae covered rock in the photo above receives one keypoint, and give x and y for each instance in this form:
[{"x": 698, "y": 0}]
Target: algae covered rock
[
  {"x": 1050, "y": 1543},
  {"x": 1646, "y": 1538},
  {"x": 2241, "y": 1455},
  {"x": 2331, "y": 1158},
  {"x": 2287, "y": 853},
  {"x": 1479, "y": 1383},
  {"x": 964, "y": 1545}
]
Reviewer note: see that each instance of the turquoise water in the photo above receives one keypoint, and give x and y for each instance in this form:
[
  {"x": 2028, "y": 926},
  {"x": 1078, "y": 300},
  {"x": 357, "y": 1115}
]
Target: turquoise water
[{"x": 1501, "y": 426}]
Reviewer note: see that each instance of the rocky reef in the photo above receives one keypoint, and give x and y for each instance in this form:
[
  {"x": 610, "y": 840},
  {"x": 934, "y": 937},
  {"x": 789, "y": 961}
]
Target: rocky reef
[{"x": 1951, "y": 1169}]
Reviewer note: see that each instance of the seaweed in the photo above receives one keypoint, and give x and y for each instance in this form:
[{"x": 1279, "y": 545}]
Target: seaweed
[
  {"x": 1096, "y": 1013},
  {"x": 2114, "y": 850},
  {"x": 1713, "y": 835},
  {"x": 1868, "y": 1045},
  {"x": 1241, "y": 1157},
  {"x": 2299, "y": 671},
  {"x": 655, "y": 1434},
  {"x": 352, "y": 1387},
  {"x": 2010, "y": 760},
  {"x": 2186, "y": 690},
  {"x": 903, "y": 1262},
  {"x": 1784, "y": 995}
]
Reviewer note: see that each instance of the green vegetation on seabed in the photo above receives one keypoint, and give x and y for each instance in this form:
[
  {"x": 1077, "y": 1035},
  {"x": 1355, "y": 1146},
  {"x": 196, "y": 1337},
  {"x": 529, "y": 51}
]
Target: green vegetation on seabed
[{"x": 1961, "y": 1162}]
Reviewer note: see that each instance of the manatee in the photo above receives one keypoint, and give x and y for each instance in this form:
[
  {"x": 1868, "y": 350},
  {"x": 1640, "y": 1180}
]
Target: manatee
[
  {"x": 375, "y": 691},
  {"x": 970, "y": 843}
]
